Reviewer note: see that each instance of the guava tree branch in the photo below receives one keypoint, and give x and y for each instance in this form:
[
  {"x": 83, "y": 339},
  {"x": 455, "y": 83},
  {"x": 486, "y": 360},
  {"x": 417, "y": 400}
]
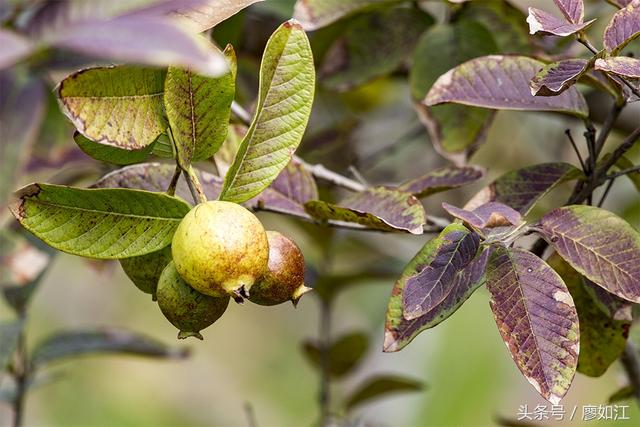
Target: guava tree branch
[{"x": 631, "y": 362}]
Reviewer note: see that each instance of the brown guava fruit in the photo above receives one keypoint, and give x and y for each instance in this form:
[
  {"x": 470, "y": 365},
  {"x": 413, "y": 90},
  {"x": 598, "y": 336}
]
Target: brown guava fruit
[
  {"x": 145, "y": 270},
  {"x": 284, "y": 281},
  {"x": 220, "y": 249},
  {"x": 187, "y": 309}
]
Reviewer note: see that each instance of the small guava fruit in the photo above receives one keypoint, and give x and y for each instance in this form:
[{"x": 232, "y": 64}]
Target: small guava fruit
[
  {"x": 145, "y": 270},
  {"x": 220, "y": 249},
  {"x": 284, "y": 281},
  {"x": 187, "y": 309}
]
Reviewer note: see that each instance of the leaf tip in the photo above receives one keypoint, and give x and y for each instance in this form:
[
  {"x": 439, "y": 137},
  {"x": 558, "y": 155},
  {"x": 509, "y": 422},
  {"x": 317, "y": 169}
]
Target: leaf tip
[
  {"x": 293, "y": 24},
  {"x": 390, "y": 343}
]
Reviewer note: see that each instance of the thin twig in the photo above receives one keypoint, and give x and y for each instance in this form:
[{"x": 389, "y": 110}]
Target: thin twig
[
  {"x": 357, "y": 175},
  {"x": 607, "y": 126},
  {"x": 623, "y": 172},
  {"x": 241, "y": 113},
  {"x": 606, "y": 193},
  {"x": 21, "y": 375},
  {"x": 251, "y": 415},
  {"x": 325, "y": 366},
  {"x": 320, "y": 171},
  {"x": 575, "y": 148},
  {"x": 171, "y": 190}
]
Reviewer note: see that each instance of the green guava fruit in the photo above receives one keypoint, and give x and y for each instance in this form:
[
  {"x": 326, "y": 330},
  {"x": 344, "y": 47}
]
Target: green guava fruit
[
  {"x": 220, "y": 249},
  {"x": 187, "y": 309},
  {"x": 145, "y": 270},
  {"x": 284, "y": 281}
]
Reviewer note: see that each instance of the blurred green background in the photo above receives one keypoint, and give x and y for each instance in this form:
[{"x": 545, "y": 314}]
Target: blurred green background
[{"x": 251, "y": 358}]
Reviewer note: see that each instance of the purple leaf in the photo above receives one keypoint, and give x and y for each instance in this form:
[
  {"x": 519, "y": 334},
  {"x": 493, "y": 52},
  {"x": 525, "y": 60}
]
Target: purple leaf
[
  {"x": 620, "y": 65},
  {"x": 537, "y": 319},
  {"x": 620, "y": 3},
  {"x": 573, "y": 10},
  {"x": 522, "y": 188},
  {"x": 603, "y": 334},
  {"x": 442, "y": 179},
  {"x": 296, "y": 183},
  {"x": 598, "y": 244},
  {"x": 14, "y": 48},
  {"x": 378, "y": 207},
  {"x": 400, "y": 331},
  {"x": 501, "y": 82},
  {"x": 142, "y": 40},
  {"x": 545, "y": 23},
  {"x": 488, "y": 215},
  {"x": 425, "y": 290},
  {"x": 623, "y": 27},
  {"x": 558, "y": 76},
  {"x": 22, "y": 108},
  {"x": 200, "y": 14}
]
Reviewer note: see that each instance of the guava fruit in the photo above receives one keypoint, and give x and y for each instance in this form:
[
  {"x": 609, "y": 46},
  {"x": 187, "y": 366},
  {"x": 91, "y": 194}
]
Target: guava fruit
[
  {"x": 145, "y": 270},
  {"x": 284, "y": 281},
  {"x": 187, "y": 309},
  {"x": 220, "y": 249}
]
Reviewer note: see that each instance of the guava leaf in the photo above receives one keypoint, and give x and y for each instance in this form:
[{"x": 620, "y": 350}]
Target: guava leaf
[
  {"x": 9, "y": 334},
  {"x": 14, "y": 48},
  {"x": 598, "y": 244},
  {"x": 111, "y": 154},
  {"x": 501, "y": 82},
  {"x": 344, "y": 353},
  {"x": 198, "y": 109},
  {"x": 623, "y": 27},
  {"x": 379, "y": 208},
  {"x": 99, "y": 223},
  {"x": 372, "y": 45},
  {"x": 545, "y": 23},
  {"x": 157, "y": 41},
  {"x": 399, "y": 331},
  {"x": 157, "y": 176},
  {"x": 507, "y": 23},
  {"x": 287, "y": 80},
  {"x": 556, "y": 77},
  {"x": 101, "y": 341},
  {"x": 602, "y": 336},
  {"x": 573, "y": 10},
  {"x": 381, "y": 386},
  {"x": 314, "y": 14},
  {"x": 296, "y": 183},
  {"x": 200, "y": 14},
  {"x": 442, "y": 179},
  {"x": 620, "y": 65},
  {"x": 22, "y": 108},
  {"x": 488, "y": 215},
  {"x": 522, "y": 188},
  {"x": 454, "y": 130},
  {"x": 537, "y": 319},
  {"x": 119, "y": 106},
  {"x": 621, "y": 394},
  {"x": 428, "y": 287}
]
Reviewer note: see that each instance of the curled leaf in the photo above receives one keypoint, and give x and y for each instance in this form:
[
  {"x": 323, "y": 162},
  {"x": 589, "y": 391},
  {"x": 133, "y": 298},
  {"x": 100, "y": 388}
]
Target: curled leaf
[
  {"x": 558, "y": 76},
  {"x": 620, "y": 65},
  {"x": 546, "y": 23},
  {"x": 488, "y": 215},
  {"x": 442, "y": 179}
]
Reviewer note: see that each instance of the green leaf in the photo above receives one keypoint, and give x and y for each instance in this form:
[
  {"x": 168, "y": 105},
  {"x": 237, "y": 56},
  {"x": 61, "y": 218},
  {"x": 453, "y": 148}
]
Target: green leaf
[
  {"x": 344, "y": 353},
  {"x": 598, "y": 244},
  {"x": 99, "y": 223},
  {"x": 602, "y": 337},
  {"x": 624, "y": 163},
  {"x": 198, "y": 109},
  {"x": 22, "y": 107},
  {"x": 379, "y": 208},
  {"x": 119, "y": 106},
  {"x": 9, "y": 336},
  {"x": 110, "y": 154},
  {"x": 287, "y": 80},
  {"x": 454, "y": 130},
  {"x": 380, "y": 386},
  {"x": 621, "y": 394},
  {"x": 75, "y": 343},
  {"x": 373, "y": 45},
  {"x": 163, "y": 147}
]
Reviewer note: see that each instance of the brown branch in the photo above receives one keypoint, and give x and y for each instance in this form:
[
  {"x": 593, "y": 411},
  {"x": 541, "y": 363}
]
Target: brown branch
[{"x": 631, "y": 363}]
